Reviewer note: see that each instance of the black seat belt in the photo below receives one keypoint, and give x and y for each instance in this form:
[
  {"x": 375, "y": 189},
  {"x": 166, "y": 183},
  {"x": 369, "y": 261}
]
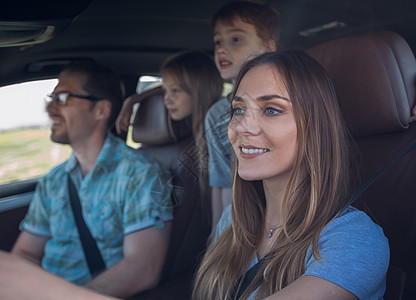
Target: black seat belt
[
  {"x": 248, "y": 278},
  {"x": 92, "y": 254},
  {"x": 362, "y": 187}
]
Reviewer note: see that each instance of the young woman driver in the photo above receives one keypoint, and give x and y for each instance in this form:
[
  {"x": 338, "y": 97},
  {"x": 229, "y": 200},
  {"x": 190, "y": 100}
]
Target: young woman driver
[{"x": 290, "y": 207}]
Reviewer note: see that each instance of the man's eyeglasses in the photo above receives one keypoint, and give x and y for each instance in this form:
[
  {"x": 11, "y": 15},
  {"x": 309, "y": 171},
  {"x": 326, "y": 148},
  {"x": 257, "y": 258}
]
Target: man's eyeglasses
[{"x": 62, "y": 98}]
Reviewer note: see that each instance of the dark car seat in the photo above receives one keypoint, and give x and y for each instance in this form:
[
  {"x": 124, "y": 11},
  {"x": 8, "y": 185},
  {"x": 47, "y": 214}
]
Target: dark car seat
[
  {"x": 374, "y": 77},
  {"x": 172, "y": 144}
]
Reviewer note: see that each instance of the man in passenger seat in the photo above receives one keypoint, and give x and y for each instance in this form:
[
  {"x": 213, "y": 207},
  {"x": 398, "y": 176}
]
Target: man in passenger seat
[
  {"x": 241, "y": 31},
  {"x": 123, "y": 194}
]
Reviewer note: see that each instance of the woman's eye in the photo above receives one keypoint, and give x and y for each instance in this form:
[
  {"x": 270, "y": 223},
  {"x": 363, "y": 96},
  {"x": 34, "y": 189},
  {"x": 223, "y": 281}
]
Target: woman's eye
[
  {"x": 271, "y": 111},
  {"x": 237, "y": 111},
  {"x": 236, "y": 39},
  {"x": 217, "y": 43}
]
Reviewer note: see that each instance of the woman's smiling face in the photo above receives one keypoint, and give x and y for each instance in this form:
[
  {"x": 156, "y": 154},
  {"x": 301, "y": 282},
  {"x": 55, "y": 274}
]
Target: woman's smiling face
[{"x": 263, "y": 130}]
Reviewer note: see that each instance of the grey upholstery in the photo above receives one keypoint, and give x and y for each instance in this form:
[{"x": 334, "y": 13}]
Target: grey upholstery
[{"x": 374, "y": 77}]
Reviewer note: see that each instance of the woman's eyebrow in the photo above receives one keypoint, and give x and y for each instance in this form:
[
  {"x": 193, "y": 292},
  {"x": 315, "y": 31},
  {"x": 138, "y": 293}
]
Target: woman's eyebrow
[
  {"x": 261, "y": 98},
  {"x": 238, "y": 99},
  {"x": 271, "y": 97}
]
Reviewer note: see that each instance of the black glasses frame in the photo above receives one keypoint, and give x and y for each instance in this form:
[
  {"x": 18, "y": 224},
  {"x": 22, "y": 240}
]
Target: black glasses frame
[{"x": 62, "y": 98}]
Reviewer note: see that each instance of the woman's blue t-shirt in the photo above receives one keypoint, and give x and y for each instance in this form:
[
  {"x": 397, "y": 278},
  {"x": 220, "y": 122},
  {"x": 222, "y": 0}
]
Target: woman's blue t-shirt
[{"x": 354, "y": 254}]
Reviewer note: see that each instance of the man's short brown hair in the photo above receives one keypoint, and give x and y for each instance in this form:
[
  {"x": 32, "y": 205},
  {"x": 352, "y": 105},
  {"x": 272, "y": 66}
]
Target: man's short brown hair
[{"x": 101, "y": 82}]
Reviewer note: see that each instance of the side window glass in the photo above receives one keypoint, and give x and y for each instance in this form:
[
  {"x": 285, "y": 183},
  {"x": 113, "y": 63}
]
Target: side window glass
[
  {"x": 26, "y": 150},
  {"x": 227, "y": 88},
  {"x": 147, "y": 82}
]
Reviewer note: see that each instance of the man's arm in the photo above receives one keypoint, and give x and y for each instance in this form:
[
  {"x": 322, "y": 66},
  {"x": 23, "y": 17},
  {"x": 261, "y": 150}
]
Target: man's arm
[
  {"x": 30, "y": 247},
  {"x": 21, "y": 279},
  {"x": 140, "y": 269}
]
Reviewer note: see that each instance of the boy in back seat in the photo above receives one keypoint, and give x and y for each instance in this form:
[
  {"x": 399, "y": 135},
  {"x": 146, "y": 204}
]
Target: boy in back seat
[{"x": 241, "y": 31}]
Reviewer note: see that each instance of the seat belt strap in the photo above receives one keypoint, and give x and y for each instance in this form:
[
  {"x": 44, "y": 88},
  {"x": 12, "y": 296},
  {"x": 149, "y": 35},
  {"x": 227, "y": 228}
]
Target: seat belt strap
[
  {"x": 361, "y": 188},
  {"x": 248, "y": 278},
  {"x": 92, "y": 254}
]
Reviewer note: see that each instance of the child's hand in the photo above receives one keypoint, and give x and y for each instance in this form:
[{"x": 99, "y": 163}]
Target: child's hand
[{"x": 123, "y": 119}]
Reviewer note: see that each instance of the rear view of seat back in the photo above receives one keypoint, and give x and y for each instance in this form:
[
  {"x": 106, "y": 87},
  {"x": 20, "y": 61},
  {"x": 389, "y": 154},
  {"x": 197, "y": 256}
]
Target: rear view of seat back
[
  {"x": 172, "y": 144},
  {"x": 375, "y": 77}
]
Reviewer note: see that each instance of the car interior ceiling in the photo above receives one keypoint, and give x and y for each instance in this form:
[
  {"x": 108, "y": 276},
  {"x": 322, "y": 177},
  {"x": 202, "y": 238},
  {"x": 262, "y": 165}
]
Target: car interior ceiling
[{"x": 35, "y": 37}]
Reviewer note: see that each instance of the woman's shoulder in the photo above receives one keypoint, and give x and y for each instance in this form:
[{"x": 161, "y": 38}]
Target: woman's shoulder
[
  {"x": 357, "y": 229},
  {"x": 354, "y": 220},
  {"x": 352, "y": 246}
]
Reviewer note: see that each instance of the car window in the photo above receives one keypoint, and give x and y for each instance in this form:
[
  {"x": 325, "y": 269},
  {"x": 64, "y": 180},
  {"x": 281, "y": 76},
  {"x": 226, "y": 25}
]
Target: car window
[{"x": 26, "y": 150}]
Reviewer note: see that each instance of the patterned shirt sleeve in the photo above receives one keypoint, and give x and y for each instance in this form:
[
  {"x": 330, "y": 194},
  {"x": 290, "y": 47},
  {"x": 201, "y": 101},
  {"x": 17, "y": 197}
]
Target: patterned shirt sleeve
[
  {"x": 219, "y": 146},
  {"x": 37, "y": 219},
  {"x": 149, "y": 202}
]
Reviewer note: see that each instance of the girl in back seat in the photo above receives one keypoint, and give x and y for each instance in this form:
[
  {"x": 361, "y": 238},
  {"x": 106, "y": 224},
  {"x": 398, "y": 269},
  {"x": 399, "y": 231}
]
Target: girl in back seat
[{"x": 192, "y": 84}]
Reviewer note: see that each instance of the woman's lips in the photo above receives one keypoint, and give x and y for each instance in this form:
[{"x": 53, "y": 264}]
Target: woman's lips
[{"x": 252, "y": 152}]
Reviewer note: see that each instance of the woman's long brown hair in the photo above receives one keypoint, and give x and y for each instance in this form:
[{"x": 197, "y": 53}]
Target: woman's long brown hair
[{"x": 316, "y": 193}]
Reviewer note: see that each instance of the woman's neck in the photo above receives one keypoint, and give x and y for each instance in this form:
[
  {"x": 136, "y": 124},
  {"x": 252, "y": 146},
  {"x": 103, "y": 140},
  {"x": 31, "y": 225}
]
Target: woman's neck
[{"x": 274, "y": 192}]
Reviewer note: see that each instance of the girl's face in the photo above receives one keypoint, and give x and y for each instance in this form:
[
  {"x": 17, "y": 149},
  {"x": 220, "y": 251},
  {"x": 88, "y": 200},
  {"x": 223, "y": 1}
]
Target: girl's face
[
  {"x": 177, "y": 101},
  {"x": 262, "y": 130}
]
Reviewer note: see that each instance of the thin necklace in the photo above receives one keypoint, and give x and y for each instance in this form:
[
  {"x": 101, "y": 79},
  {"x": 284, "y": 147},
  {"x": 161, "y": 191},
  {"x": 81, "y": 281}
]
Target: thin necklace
[{"x": 272, "y": 230}]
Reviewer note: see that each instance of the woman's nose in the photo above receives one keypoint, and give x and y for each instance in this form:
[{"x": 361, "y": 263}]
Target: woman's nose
[{"x": 247, "y": 124}]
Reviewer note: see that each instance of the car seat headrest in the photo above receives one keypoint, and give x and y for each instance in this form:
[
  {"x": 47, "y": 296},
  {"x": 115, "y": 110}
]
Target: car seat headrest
[
  {"x": 374, "y": 77},
  {"x": 152, "y": 125}
]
